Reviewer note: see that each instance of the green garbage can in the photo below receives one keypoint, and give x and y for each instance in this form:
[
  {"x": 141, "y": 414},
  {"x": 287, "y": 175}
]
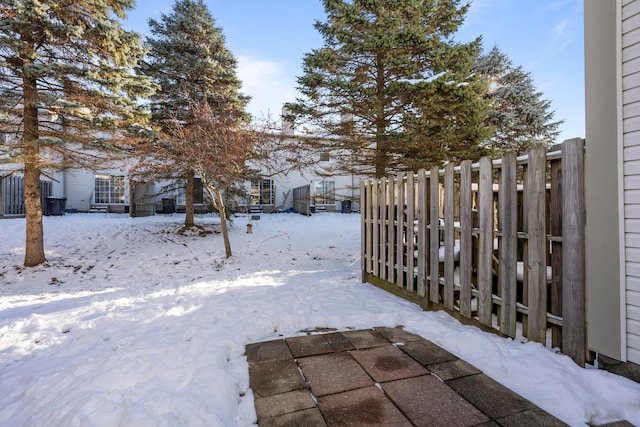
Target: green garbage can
[{"x": 54, "y": 205}]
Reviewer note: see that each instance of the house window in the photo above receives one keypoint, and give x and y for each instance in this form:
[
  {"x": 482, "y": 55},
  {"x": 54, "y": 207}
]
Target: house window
[
  {"x": 108, "y": 189},
  {"x": 262, "y": 192},
  {"x": 198, "y": 193},
  {"x": 325, "y": 192}
]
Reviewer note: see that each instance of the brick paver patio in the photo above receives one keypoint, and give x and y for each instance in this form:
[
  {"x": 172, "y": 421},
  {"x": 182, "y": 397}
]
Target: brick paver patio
[{"x": 380, "y": 376}]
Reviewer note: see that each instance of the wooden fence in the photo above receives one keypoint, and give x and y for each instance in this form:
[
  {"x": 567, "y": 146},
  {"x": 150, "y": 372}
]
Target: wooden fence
[
  {"x": 499, "y": 244},
  {"x": 302, "y": 200},
  {"x": 12, "y": 194}
]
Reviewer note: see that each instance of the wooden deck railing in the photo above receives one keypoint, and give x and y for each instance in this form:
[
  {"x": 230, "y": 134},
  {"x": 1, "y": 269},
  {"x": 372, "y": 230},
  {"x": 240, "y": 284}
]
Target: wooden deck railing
[{"x": 498, "y": 243}]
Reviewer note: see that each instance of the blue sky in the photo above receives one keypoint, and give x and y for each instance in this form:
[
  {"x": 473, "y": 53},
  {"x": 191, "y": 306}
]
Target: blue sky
[{"x": 270, "y": 37}]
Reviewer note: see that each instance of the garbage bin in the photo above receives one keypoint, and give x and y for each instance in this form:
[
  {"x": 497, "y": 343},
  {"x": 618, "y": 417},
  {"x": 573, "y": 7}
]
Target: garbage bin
[
  {"x": 168, "y": 206},
  {"x": 346, "y": 206},
  {"x": 54, "y": 205}
]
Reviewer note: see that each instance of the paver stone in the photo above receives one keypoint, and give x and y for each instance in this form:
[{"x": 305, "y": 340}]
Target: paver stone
[
  {"x": 427, "y": 401},
  {"x": 284, "y": 403},
  {"x": 307, "y": 418},
  {"x": 453, "y": 369},
  {"x": 333, "y": 373},
  {"x": 489, "y": 396},
  {"x": 426, "y": 352},
  {"x": 361, "y": 407},
  {"x": 365, "y": 338},
  {"x": 397, "y": 334},
  {"x": 278, "y": 376},
  {"x": 388, "y": 363},
  {"x": 267, "y": 351},
  {"x": 309, "y": 345}
]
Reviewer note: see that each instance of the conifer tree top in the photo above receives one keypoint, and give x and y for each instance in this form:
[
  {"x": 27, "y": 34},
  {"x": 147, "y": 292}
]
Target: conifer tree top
[
  {"x": 188, "y": 59},
  {"x": 72, "y": 63}
]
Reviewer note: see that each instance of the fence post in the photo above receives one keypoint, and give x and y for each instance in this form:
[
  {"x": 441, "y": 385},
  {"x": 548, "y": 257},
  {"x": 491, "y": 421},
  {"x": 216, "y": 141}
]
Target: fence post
[
  {"x": 422, "y": 232},
  {"x": 466, "y": 227},
  {"x": 449, "y": 237},
  {"x": 573, "y": 251},
  {"x": 400, "y": 231},
  {"x": 537, "y": 264},
  {"x": 485, "y": 256},
  {"x": 508, "y": 247},
  {"x": 434, "y": 236}
]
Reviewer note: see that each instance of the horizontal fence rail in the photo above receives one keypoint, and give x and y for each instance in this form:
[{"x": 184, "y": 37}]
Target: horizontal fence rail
[{"x": 497, "y": 243}]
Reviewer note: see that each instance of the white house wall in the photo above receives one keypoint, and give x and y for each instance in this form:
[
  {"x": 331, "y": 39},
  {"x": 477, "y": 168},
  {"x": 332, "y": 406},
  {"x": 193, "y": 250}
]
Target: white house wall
[
  {"x": 79, "y": 189},
  {"x": 629, "y": 11},
  {"x": 347, "y": 187},
  {"x": 57, "y": 186},
  {"x": 612, "y": 175},
  {"x": 604, "y": 240}
]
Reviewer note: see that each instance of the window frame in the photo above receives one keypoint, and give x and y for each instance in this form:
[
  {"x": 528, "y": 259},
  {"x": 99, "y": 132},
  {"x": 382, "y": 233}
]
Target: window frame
[
  {"x": 324, "y": 192},
  {"x": 113, "y": 187},
  {"x": 262, "y": 189}
]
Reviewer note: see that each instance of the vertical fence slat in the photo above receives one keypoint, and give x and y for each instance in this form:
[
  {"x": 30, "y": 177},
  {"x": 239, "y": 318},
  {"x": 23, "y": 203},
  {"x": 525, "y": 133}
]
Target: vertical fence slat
[
  {"x": 364, "y": 207},
  {"x": 537, "y": 267},
  {"x": 375, "y": 229},
  {"x": 508, "y": 248},
  {"x": 400, "y": 248},
  {"x": 466, "y": 226},
  {"x": 422, "y": 231},
  {"x": 410, "y": 233},
  {"x": 555, "y": 224},
  {"x": 391, "y": 233},
  {"x": 382, "y": 208},
  {"x": 434, "y": 236},
  {"x": 427, "y": 227},
  {"x": 449, "y": 236},
  {"x": 485, "y": 255},
  {"x": 573, "y": 251},
  {"x": 12, "y": 194}
]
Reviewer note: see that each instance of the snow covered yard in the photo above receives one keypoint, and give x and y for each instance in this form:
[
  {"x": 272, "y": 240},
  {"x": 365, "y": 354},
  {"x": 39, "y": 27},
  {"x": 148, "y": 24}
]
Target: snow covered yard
[{"x": 132, "y": 324}]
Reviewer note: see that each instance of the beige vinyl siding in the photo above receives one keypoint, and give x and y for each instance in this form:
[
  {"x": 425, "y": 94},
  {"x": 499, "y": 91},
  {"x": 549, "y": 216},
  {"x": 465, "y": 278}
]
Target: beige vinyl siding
[
  {"x": 604, "y": 232},
  {"x": 631, "y": 169},
  {"x": 79, "y": 189}
]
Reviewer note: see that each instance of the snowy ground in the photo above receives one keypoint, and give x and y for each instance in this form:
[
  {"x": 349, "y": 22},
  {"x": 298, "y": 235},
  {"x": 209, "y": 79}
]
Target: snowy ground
[{"x": 132, "y": 324}]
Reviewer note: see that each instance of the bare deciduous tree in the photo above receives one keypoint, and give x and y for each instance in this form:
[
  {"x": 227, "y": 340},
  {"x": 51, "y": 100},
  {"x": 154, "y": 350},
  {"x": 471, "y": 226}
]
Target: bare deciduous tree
[{"x": 219, "y": 149}]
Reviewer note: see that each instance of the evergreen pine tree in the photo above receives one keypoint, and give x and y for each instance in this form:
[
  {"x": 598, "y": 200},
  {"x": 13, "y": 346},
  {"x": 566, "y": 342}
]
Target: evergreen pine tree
[
  {"x": 389, "y": 71},
  {"x": 189, "y": 61},
  {"x": 65, "y": 75},
  {"x": 448, "y": 122},
  {"x": 518, "y": 115}
]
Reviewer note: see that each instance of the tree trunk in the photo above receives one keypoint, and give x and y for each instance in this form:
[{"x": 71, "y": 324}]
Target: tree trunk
[
  {"x": 189, "y": 209},
  {"x": 380, "y": 164},
  {"x": 34, "y": 248},
  {"x": 223, "y": 223},
  {"x": 132, "y": 198}
]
